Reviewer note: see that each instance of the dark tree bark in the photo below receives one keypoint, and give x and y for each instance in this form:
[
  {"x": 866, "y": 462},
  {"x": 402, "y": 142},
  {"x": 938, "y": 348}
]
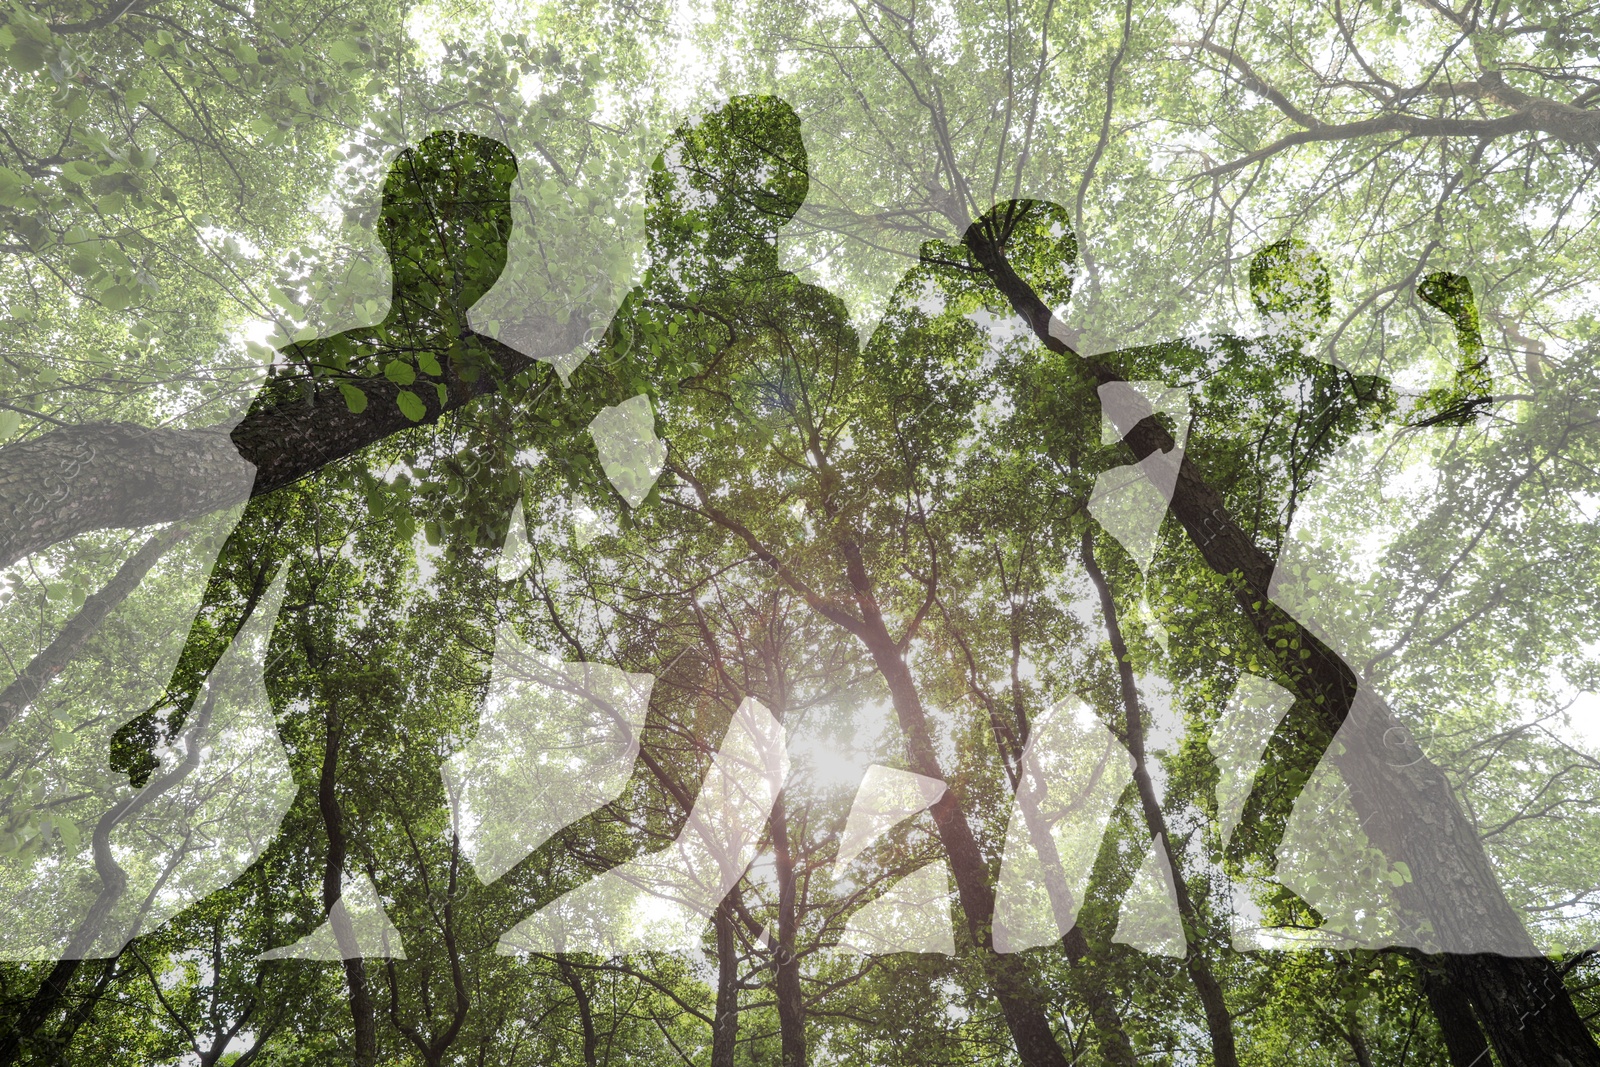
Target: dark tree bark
[
  {"x": 786, "y": 970},
  {"x": 41, "y": 1006},
  {"x": 363, "y": 1016},
  {"x": 1357, "y": 1041},
  {"x": 580, "y": 992},
  {"x": 1007, "y": 975},
  {"x": 1463, "y": 1038},
  {"x": 1404, "y": 802},
  {"x": 1110, "y": 1035},
  {"x": 725, "y": 1023},
  {"x": 1525, "y": 1009},
  {"x": 52, "y": 992}
]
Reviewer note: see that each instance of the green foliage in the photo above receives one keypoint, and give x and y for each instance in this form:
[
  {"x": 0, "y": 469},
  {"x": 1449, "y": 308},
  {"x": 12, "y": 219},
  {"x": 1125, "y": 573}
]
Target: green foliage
[{"x": 161, "y": 183}]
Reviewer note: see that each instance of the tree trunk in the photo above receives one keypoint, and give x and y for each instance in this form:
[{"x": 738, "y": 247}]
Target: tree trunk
[
  {"x": 106, "y": 475},
  {"x": 363, "y": 1015},
  {"x": 1404, "y": 802},
  {"x": 1111, "y": 1036},
  {"x": 1224, "y": 1051},
  {"x": 1463, "y": 1038},
  {"x": 1358, "y": 1042},
  {"x": 1007, "y": 975},
  {"x": 40, "y": 1007},
  {"x": 786, "y": 971},
  {"x": 1525, "y": 1009},
  {"x": 85, "y": 1004},
  {"x": 725, "y": 1022},
  {"x": 591, "y": 1041}
]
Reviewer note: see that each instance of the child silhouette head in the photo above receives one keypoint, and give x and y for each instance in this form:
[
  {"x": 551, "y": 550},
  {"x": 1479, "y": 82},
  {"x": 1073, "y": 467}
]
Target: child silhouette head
[
  {"x": 723, "y": 187},
  {"x": 1290, "y": 288},
  {"x": 446, "y": 222}
]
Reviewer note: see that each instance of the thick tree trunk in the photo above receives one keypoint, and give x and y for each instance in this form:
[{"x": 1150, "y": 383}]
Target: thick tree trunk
[
  {"x": 1404, "y": 802},
  {"x": 1525, "y": 1009},
  {"x": 1111, "y": 1036},
  {"x": 106, "y": 475},
  {"x": 1463, "y": 1038}
]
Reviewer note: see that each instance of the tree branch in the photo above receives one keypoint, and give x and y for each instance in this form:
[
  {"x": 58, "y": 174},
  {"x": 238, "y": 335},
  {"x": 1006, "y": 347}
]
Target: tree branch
[{"x": 109, "y": 475}]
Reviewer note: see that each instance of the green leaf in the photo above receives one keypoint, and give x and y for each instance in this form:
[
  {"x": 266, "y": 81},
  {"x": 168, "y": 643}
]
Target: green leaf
[
  {"x": 10, "y": 423},
  {"x": 80, "y": 170},
  {"x": 400, "y": 372},
  {"x": 354, "y": 398},
  {"x": 26, "y": 55},
  {"x": 11, "y": 184},
  {"x": 411, "y": 405},
  {"x": 345, "y": 52},
  {"x": 429, "y": 364}
]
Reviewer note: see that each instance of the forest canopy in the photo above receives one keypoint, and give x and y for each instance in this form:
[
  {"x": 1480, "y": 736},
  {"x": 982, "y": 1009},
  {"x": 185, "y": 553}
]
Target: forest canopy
[{"x": 721, "y": 534}]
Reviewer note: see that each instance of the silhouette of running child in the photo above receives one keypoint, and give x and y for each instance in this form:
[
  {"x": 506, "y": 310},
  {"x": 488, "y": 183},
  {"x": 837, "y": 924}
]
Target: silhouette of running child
[
  {"x": 445, "y": 224},
  {"x": 350, "y": 666},
  {"x": 713, "y": 301}
]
